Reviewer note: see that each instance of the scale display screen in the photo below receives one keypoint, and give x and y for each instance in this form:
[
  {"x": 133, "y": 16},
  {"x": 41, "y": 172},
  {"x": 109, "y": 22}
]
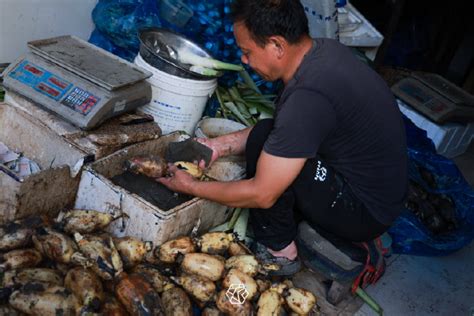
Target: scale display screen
[
  {"x": 424, "y": 98},
  {"x": 436, "y": 98},
  {"x": 41, "y": 80},
  {"x": 78, "y": 81},
  {"x": 54, "y": 87}
]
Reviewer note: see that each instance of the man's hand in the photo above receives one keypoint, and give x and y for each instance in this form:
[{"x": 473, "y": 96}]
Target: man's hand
[
  {"x": 177, "y": 180},
  {"x": 209, "y": 142},
  {"x": 225, "y": 145},
  {"x": 274, "y": 175}
]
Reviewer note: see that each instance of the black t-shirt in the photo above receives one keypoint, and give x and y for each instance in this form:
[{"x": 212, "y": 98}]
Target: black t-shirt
[{"x": 339, "y": 108}]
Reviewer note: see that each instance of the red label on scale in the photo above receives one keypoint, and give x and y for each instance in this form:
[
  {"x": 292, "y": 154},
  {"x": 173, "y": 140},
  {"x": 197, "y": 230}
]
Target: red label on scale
[
  {"x": 48, "y": 90},
  {"x": 58, "y": 83},
  {"x": 34, "y": 70}
]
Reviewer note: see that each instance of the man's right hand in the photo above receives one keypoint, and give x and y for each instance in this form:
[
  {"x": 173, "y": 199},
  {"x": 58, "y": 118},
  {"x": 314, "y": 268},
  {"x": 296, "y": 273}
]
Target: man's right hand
[
  {"x": 209, "y": 142},
  {"x": 225, "y": 145}
]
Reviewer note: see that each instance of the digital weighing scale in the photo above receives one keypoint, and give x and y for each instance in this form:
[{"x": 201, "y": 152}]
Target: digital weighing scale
[
  {"x": 436, "y": 98},
  {"x": 80, "y": 82}
]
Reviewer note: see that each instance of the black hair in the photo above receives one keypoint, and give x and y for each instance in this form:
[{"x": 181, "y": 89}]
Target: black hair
[{"x": 265, "y": 18}]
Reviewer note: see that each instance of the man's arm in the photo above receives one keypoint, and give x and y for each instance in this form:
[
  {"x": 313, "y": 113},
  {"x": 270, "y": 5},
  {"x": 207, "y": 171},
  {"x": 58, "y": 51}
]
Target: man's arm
[
  {"x": 273, "y": 176},
  {"x": 226, "y": 145}
]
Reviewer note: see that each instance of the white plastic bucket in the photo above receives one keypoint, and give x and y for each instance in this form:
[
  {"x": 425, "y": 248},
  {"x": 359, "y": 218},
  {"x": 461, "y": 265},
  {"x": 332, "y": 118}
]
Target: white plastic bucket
[{"x": 177, "y": 103}]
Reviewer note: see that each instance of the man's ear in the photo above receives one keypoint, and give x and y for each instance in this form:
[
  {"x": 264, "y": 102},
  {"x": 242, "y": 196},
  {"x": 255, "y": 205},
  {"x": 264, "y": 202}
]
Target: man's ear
[{"x": 279, "y": 45}]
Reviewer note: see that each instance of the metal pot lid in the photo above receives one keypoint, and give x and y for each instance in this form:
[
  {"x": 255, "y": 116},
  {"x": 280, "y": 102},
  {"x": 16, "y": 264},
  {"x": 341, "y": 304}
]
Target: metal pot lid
[{"x": 167, "y": 45}]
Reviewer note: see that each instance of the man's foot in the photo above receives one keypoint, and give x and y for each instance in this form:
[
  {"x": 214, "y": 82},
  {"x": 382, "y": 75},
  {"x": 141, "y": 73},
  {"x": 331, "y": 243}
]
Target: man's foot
[
  {"x": 287, "y": 267},
  {"x": 289, "y": 252}
]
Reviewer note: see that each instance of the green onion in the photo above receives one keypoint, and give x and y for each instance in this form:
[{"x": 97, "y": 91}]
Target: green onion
[
  {"x": 204, "y": 71},
  {"x": 235, "y": 95},
  {"x": 253, "y": 110},
  {"x": 243, "y": 103},
  {"x": 231, "y": 106},
  {"x": 369, "y": 300},
  {"x": 196, "y": 60}
]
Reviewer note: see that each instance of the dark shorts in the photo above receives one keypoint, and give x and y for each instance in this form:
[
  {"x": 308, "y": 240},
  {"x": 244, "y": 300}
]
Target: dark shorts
[{"x": 319, "y": 195}]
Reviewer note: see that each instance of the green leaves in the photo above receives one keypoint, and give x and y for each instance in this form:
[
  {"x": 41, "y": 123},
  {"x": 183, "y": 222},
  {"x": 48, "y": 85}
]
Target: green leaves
[{"x": 244, "y": 102}]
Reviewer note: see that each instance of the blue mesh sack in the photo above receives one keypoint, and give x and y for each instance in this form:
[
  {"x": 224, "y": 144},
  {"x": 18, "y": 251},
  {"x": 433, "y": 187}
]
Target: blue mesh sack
[{"x": 440, "y": 176}]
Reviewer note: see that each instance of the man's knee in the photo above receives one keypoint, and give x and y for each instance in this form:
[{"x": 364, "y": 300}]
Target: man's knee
[
  {"x": 259, "y": 133},
  {"x": 255, "y": 142}
]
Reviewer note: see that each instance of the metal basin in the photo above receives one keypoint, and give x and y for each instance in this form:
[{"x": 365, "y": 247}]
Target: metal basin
[{"x": 160, "y": 48}]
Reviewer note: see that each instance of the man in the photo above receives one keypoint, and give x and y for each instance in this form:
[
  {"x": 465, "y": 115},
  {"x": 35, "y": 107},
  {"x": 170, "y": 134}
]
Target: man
[{"x": 335, "y": 152}]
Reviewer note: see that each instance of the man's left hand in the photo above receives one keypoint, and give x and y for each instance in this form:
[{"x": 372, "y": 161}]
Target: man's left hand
[{"x": 177, "y": 180}]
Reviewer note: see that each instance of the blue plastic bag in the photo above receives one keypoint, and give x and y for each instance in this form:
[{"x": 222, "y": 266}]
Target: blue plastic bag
[
  {"x": 99, "y": 39},
  {"x": 207, "y": 23},
  {"x": 409, "y": 234},
  {"x": 119, "y": 21}
]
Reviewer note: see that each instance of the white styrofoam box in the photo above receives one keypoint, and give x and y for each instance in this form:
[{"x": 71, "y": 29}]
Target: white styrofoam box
[
  {"x": 322, "y": 18},
  {"x": 73, "y": 134},
  {"x": 25, "y": 20},
  {"x": 355, "y": 30},
  {"x": 145, "y": 220},
  {"x": 450, "y": 140},
  {"x": 45, "y": 192}
]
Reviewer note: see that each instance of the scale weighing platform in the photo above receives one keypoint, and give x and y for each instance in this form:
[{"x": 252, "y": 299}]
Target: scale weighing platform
[
  {"x": 82, "y": 83},
  {"x": 436, "y": 98},
  {"x": 443, "y": 110}
]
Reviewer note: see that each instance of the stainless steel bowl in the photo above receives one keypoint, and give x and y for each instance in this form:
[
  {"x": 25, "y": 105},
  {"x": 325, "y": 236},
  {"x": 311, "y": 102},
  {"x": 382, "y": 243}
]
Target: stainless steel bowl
[{"x": 160, "y": 48}]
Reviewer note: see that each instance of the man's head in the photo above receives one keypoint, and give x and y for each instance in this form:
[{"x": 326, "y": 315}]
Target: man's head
[{"x": 264, "y": 29}]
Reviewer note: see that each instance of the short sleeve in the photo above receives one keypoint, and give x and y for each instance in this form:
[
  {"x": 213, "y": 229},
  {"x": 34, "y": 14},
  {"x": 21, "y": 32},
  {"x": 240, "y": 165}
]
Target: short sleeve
[{"x": 302, "y": 123}]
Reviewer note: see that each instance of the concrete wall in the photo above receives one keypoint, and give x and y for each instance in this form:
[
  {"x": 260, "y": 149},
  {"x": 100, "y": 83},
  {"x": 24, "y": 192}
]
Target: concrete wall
[{"x": 25, "y": 20}]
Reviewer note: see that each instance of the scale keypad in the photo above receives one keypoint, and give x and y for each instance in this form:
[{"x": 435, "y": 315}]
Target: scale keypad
[{"x": 80, "y": 101}]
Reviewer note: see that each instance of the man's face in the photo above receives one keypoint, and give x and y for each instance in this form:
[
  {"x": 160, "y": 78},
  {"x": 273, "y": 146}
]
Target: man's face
[{"x": 262, "y": 60}]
